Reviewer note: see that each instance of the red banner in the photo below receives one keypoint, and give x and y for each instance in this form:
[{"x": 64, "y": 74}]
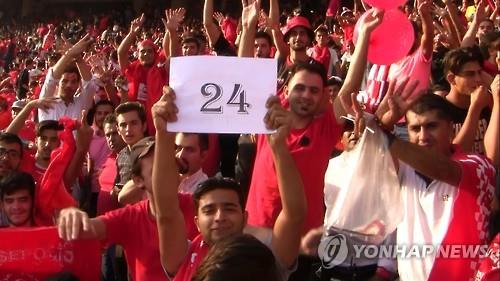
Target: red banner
[{"x": 29, "y": 254}]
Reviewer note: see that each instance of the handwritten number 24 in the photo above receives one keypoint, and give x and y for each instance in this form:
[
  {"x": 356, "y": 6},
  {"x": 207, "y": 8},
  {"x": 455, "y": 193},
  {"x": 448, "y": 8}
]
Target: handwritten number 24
[{"x": 213, "y": 92}]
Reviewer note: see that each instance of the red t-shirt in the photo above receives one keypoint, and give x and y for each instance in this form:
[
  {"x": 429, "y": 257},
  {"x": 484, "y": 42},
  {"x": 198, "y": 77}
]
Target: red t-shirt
[
  {"x": 135, "y": 229},
  {"x": 145, "y": 86},
  {"x": 310, "y": 148},
  {"x": 489, "y": 268},
  {"x": 196, "y": 253},
  {"x": 106, "y": 181}
]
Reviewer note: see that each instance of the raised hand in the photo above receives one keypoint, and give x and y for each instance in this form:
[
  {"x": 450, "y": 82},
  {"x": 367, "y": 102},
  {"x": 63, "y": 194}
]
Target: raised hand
[
  {"x": 84, "y": 133},
  {"x": 174, "y": 18},
  {"x": 250, "y": 13},
  {"x": 165, "y": 110},
  {"x": 279, "y": 119},
  {"x": 136, "y": 24},
  {"x": 219, "y": 17},
  {"x": 372, "y": 20},
  {"x": 79, "y": 47},
  {"x": 396, "y": 102}
]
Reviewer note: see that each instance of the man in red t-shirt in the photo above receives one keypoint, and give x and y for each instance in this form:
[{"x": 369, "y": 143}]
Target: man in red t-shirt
[
  {"x": 133, "y": 226},
  {"x": 145, "y": 76},
  {"x": 219, "y": 202}
]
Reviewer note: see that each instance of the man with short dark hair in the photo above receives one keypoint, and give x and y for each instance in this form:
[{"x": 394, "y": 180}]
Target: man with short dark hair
[
  {"x": 17, "y": 196},
  {"x": 471, "y": 103},
  {"x": 219, "y": 202},
  {"x": 70, "y": 80},
  {"x": 447, "y": 193},
  {"x": 191, "y": 151},
  {"x": 11, "y": 153}
]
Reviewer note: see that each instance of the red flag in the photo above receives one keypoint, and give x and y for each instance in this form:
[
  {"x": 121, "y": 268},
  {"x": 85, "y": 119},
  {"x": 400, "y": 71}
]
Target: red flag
[
  {"x": 52, "y": 194},
  {"x": 37, "y": 253}
]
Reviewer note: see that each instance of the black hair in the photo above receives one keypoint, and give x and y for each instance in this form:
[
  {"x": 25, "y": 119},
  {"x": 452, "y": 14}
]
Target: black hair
[
  {"x": 132, "y": 106},
  {"x": 202, "y": 140},
  {"x": 16, "y": 181},
  {"x": 455, "y": 59},
  {"x": 11, "y": 138},
  {"x": 47, "y": 125},
  {"x": 91, "y": 112},
  {"x": 191, "y": 39},
  {"x": 72, "y": 69},
  {"x": 309, "y": 67},
  {"x": 429, "y": 102},
  {"x": 265, "y": 35},
  {"x": 241, "y": 257},
  {"x": 215, "y": 183},
  {"x": 109, "y": 119}
]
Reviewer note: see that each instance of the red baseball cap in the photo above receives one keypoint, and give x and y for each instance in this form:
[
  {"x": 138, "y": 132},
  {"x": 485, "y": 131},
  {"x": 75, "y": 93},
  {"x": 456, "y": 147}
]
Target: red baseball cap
[{"x": 296, "y": 22}]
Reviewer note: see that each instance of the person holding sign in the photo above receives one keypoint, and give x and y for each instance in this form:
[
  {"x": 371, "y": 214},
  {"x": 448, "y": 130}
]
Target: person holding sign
[
  {"x": 316, "y": 128},
  {"x": 219, "y": 201}
]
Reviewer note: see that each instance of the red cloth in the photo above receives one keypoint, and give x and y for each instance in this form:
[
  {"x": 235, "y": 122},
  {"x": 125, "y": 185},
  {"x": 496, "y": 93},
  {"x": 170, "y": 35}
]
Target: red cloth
[
  {"x": 52, "y": 194},
  {"x": 37, "y": 253},
  {"x": 333, "y": 8},
  {"x": 212, "y": 159},
  {"x": 106, "y": 181},
  {"x": 322, "y": 55},
  {"x": 146, "y": 86},
  {"x": 135, "y": 229},
  {"x": 229, "y": 26},
  {"x": 469, "y": 223},
  {"x": 5, "y": 119},
  {"x": 194, "y": 257},
  {"x": 489, "y": 268}
]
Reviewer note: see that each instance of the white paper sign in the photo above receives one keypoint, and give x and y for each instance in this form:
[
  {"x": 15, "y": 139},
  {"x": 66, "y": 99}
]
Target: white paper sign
[{"x": 217, "y": 94}]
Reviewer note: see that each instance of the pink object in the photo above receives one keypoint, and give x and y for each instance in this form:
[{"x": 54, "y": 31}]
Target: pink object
[
  {"x": 391, "y": 40},
  {"x": 385, "y": 4}
]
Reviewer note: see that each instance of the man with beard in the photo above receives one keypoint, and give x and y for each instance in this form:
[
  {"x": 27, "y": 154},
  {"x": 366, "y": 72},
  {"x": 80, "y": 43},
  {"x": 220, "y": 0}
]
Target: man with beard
[
  {"x": 11, "y": 152},
  {"x": 191, "y": 150}
]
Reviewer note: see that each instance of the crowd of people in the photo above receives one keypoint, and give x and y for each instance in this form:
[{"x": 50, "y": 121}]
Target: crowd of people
[{"x": 85, "y": 146}]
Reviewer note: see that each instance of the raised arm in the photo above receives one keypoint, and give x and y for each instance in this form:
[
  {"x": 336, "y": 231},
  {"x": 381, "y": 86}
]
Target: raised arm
[
  {"x": 470, "y": 37},
  {"x": 424, "y": 160},
  {"x": 124, "y": 47},
  {"x": 355, "y": 74},
  {"x": 169, "y": 217},
  {"x": 172, "y": 23},
  {"x": 213, "y": 31},
  {"x": 427, "y": 41},
  {"x": 491, "y": 140},
  {"x": 18, "y": 123},
  {"x": 287, "y": 230},
  {"x": 453, "y": 12},
  {"x": 465, "y": 137},
  {"x": 75, "y": 52},
  {"x": 249, "y": 18},
  {"x": 274, "y": 23},
  {"x": 83, "y": 138}
]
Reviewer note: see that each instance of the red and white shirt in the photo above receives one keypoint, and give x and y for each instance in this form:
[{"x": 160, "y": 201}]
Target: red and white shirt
[{"x": 442, "y": 215}]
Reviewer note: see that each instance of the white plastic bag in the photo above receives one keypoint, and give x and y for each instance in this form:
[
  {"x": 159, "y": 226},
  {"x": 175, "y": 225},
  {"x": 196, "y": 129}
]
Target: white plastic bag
[{"x": 362, "y": 191}]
